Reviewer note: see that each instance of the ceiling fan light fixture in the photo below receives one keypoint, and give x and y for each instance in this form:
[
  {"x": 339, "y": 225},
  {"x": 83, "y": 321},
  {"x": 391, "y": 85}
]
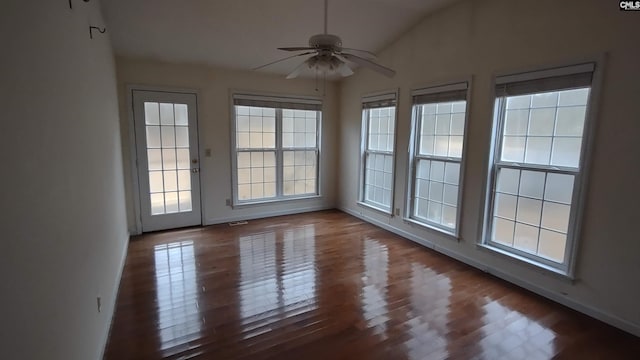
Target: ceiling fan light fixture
[{"x": 328, "y": 55}]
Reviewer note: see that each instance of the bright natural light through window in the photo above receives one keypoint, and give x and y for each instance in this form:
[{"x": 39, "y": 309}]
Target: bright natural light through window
[
  {"x": 436, "y": 157},
  {"x": 276, "y": 149},
  {"x": 537, "y": 165},
  {"x": 379, "y": 119}
]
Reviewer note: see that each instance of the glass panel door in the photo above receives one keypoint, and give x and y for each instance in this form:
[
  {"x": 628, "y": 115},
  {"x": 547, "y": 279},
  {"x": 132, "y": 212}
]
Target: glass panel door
[{"x": 168, "y": 164}]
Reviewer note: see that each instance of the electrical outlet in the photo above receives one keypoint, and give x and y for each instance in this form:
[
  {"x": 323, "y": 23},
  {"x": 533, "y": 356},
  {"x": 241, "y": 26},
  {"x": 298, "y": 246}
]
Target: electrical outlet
[
  {"x": 228, "y": 202},
  {"x": 99, "y": 303}
]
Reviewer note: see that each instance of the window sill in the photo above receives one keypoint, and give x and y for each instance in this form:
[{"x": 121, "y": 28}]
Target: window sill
[
  {"x": 378, "y": 209},
  {"x": 543, "y": 268},
  {"x": 242, "y": 205},
  {"x": 450, "y": 234}
]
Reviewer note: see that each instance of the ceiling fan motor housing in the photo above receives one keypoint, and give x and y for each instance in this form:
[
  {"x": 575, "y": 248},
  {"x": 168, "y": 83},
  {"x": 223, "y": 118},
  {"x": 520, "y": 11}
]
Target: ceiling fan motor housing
[{"x": 326, "y": 41}]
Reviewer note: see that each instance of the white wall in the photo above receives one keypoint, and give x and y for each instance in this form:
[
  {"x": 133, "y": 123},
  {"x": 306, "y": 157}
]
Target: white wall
[
  {"x": 480, "y": 39},
  {"x": 214, "y": 88},
  {"x": 63, "y": 220}
]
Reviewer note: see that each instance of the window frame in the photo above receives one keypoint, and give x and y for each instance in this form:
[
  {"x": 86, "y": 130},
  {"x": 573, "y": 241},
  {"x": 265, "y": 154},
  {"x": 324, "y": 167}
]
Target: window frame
[
  {"x": 565, "y": 269},
  {"x": 378, "y": 97},
  {"x": 279, "y": 149},
  {"x": 414, "y": 156}
]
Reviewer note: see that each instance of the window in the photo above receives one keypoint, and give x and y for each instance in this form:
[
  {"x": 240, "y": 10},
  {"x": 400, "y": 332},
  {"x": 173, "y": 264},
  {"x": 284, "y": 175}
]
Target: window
[
  {"x": 439, "y": 115},
  {"x": 538, "y": 161},
  {"x": 276, "y": 148},
  {"x": 377, "y": 158}
]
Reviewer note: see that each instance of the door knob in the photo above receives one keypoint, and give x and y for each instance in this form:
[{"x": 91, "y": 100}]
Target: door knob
[{"x": 195, "y": 170}]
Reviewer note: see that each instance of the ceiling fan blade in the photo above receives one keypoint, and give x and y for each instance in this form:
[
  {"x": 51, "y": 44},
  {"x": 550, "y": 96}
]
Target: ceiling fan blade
[
  {"x": 344, "y": 70},
  {"x": 296, "y": 48},
  {"x": 294, "y": 74},
  {"x": 362, "y": 53},
  {"x": 370, "y": 64},
  {"x": 277, "y": 61}
]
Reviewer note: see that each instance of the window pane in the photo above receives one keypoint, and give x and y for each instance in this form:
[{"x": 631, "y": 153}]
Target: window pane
[
  {"x": 519, "y": 102},
  {"x": 513, "y": 148},
  {"x": 555, "y": 216},
  {"x": 538, "y": 150},
  {"x": 152, "y": 117},
  {"x": 153, "y": 136},
  {"x": 155, "y": 181},
  {"x": 451, "y": 173},
  {"x": 182, "y": 136},
  {"x": 529, "y": 211},
  {"x": 552, "y": 245},
  {"x": 541, "y": 122},
  {"x": 508, "y": 181},
  {"x": 157, "y": 204},
  {"x": 155, "y": 159},
  {"x": 184, "y": 201},
  {"x": 166, "y": 116},
  {"x": 450, "y": 196},
  {"x": 505, "y": 206},
  {"x": 574, "y": 97},
  {"x": 532, "y": 184},
  {"x": 168, "y": 136},
  {"x": 570, "y": 121},
  {"x": 503, "y": 231},
  {"x": 526, "y": 238},
  {"x": 566, "y": 152},
  {"x": 516, "y": 122},
  {"x": 549, "y": 99},
  {"x": 428, "y": 126},
  {"x": 449, "y": 216},
  {"x": 181, "y": 112},
  {"x": 171, "y": 202},
  {"x": 434, "y": 212},
  {"x": 559, "y": 188},
  {"x": 437, "y": 171}
]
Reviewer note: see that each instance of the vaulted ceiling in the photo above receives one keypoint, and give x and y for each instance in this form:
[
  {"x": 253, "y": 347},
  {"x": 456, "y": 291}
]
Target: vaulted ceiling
[{"x": 243, "y": 34}]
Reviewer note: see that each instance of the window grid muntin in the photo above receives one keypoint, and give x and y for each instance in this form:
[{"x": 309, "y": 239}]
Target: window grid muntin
[
  {"x": 499, "y": 164},
  {"x": 457, "y": 107},
  {"x": 278, "y": 149},
  {"x": 386, "y": 153}
]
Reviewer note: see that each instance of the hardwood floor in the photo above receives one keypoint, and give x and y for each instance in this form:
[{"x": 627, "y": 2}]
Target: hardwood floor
[{"x": 326, "y": 285}]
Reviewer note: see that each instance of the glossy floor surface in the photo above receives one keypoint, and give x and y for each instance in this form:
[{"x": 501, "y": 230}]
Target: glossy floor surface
[{"x": 326, "y": 285}]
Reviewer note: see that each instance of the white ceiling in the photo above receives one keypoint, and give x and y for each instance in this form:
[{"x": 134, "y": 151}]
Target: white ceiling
[{"x": 243, "y": 34}]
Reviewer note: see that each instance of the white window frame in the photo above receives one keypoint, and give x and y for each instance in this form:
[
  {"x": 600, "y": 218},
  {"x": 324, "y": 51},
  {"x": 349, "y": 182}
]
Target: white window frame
[
  {"x": 552, "y": 79},
  {"x": 429, "y": 95},
  {"x": 371, "y": 101},
  {"x": 278, "y": 102}
]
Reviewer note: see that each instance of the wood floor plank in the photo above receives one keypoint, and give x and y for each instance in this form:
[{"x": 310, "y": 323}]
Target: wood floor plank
[{"x": 326, "y": 285}]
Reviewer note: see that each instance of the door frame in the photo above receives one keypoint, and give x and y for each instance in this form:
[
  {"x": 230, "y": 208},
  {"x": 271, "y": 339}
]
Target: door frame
[{"x": 134, "y": 181}]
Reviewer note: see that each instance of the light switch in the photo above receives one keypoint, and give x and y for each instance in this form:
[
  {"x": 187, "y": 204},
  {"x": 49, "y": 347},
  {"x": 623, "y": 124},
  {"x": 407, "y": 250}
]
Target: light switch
[{"x": 207, "y": 152}]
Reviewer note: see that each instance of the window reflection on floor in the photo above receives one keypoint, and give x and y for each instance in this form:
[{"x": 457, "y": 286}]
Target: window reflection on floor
[
  {"x": 430, "y": 294},
  {"x": 299, "y": 275},
  {"x": 179, "y": 319},
  {"x": 374, "y": 290},
  {"x": 511, "y": 332},
  {"x": 278, "y": 277}
]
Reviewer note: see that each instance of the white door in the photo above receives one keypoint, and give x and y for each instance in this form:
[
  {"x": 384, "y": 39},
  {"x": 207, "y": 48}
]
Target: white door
[{"x": 168, "y": 164}]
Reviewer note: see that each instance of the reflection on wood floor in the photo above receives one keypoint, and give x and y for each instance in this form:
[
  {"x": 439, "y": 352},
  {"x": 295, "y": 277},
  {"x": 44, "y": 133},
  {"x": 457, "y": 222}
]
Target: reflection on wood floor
[{"x": 326, "y": 285}]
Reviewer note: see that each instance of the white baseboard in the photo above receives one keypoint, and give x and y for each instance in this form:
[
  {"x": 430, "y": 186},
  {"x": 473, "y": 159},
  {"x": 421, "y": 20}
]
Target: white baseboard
[
  {"x": 114, "y": 292},
  {"x": 270, "y": 213},
  {"x": 589, "y": 310}
]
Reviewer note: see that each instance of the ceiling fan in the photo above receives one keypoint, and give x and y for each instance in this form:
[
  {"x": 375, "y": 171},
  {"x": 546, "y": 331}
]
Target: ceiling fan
[{"x": 326, "y": 55}]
